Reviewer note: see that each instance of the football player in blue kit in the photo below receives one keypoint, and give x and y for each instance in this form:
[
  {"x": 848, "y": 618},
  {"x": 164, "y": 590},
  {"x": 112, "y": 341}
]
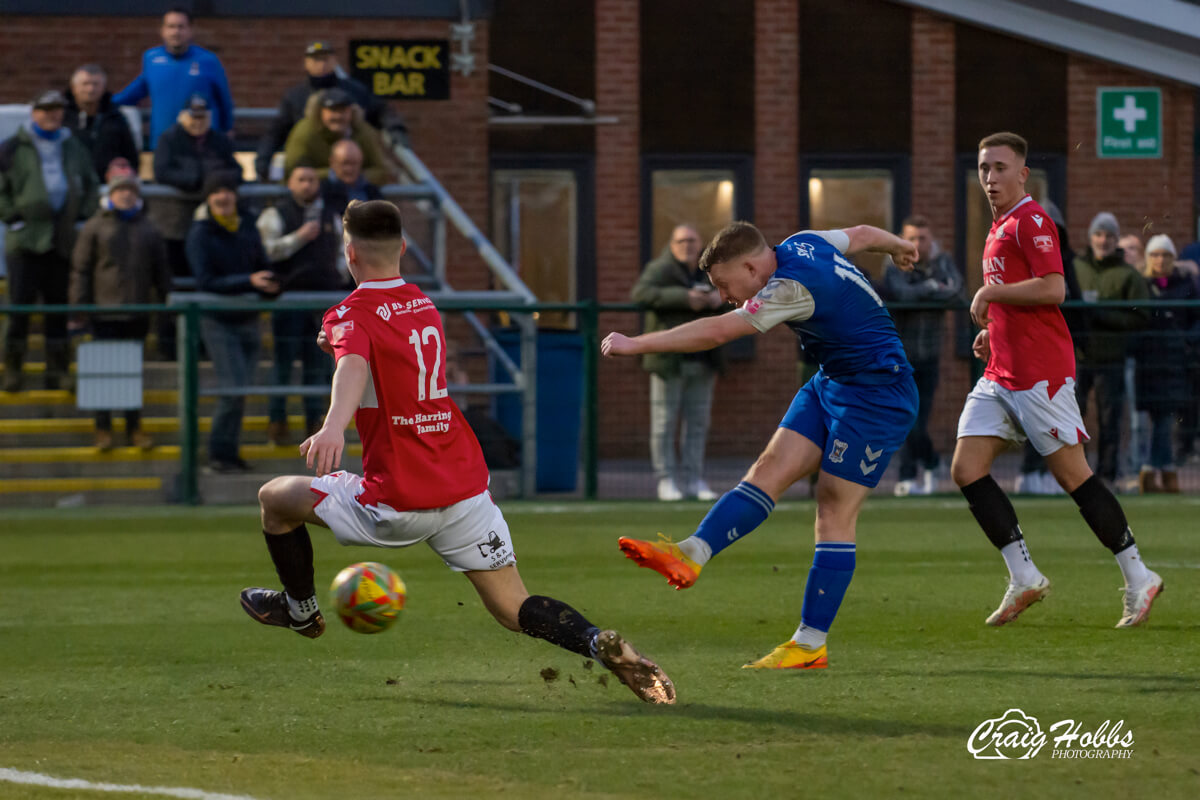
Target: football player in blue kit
[{"x": 846, "y": 422}]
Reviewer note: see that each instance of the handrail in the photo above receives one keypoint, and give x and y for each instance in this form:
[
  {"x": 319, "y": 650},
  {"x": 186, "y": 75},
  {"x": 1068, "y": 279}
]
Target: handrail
[{"x": 454, "y": 212}]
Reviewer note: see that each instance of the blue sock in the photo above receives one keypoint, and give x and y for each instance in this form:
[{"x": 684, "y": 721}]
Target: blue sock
[
  {"x": 828, "y": 579},
  {"x": 739, "y": 511}
]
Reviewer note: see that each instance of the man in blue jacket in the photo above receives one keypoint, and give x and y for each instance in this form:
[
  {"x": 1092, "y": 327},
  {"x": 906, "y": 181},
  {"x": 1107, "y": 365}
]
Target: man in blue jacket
[{"x": 174, "y": 72}]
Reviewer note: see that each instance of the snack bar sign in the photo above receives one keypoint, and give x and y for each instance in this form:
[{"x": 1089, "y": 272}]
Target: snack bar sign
[
  {"x": 1129, "y": 122},
  {"x": 402, "y": 69}
]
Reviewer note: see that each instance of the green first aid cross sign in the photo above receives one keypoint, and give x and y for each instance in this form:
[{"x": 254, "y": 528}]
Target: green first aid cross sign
[{"x": 1128, "y": 122}]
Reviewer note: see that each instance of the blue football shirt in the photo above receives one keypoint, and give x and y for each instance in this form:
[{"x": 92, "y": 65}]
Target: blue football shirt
[{"x": 832, "y": 307}]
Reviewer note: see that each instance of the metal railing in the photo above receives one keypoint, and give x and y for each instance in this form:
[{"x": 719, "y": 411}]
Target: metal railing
[{"x": 626, "y": 437}]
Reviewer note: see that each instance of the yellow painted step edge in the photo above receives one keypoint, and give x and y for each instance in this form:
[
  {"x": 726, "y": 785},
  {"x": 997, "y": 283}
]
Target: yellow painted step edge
[
  {"x": 149, "y": 424},
  {"x": 90, "y": 455},
  {"x": 21, "y": 485}
]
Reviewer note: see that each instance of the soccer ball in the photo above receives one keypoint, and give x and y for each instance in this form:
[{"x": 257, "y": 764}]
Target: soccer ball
[{"x": 368, "y": 597}]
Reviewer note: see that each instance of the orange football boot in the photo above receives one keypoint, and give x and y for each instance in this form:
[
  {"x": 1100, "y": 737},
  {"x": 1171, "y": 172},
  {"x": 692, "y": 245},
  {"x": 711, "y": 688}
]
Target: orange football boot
[{"x": 664, "y": 557}]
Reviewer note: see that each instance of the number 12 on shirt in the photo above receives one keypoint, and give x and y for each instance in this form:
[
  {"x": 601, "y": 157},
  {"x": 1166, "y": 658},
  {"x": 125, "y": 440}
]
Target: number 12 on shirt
[{"x": 417, "y": 339}]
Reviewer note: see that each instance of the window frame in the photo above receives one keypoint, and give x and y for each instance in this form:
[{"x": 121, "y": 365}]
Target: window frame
[
  {"x": 583, "y": 166},
  {"x": 740, "y": 164},
  {"x": 898, "y": 164}
]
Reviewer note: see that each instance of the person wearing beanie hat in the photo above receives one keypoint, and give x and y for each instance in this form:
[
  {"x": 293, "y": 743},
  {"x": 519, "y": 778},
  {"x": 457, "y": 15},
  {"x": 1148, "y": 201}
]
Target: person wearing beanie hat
[
  {"x": 1163, "y": 388},
  {"x": 221, "y": 179},
  {"x": 1161, "y": 243},
  {"x": 227, "y": 257},
  {"x": 1104, "y": 221},
  {"x": 1104, "y": 275},
  {"x": 125, "y": 181},
  {"x": 119, "y": 259}
]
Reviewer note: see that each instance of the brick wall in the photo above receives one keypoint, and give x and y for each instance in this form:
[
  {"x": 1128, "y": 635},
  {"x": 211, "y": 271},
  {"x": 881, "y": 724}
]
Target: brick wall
[
  {"x": 933, "y": 188},
  {"x": 753, "y": 396},
  {"x": 1149, "y": 196},
  {"x": 933, "y": 122},
  {"x": 625, "y": 392},
  {"x": 263, "y": 58}
]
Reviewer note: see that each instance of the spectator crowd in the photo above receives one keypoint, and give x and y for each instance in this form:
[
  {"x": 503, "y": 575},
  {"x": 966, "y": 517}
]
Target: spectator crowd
[
  {"x": 67, "y": 243},
  {"x": 82, "y": 230}
]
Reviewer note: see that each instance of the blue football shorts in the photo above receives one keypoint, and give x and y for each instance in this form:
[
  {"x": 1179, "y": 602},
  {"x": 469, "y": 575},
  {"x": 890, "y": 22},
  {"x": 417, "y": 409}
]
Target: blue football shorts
[{"x": 857, "y": 426}]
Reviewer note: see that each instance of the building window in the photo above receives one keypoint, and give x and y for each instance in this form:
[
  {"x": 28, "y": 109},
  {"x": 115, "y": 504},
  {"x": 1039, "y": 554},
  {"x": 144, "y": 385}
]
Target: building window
[
  {"x": 700, "y": 197},
  {"x": 534, "y": 226},
  {"x": 842, "y": 198}
]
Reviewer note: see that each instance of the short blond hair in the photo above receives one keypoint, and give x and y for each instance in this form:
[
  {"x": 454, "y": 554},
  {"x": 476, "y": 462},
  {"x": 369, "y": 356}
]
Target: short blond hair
[{"x": 735, "y": 239}]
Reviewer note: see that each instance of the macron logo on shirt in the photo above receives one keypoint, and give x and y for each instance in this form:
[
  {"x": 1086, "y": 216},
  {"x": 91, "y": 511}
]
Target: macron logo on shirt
[{"x": 341, "y": 312}]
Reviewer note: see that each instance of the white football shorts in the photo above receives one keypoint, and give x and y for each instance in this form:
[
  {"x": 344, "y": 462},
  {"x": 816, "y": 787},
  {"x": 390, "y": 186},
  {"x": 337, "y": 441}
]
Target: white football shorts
[
  {"x": 1049, "y": 423},
  {"x": 469, "y": 535}
]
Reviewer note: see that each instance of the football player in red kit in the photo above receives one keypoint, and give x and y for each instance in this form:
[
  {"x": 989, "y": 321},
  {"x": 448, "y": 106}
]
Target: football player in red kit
[
  {"x": 1028, "y": 390},
  {"x": 424, "y": 477}
]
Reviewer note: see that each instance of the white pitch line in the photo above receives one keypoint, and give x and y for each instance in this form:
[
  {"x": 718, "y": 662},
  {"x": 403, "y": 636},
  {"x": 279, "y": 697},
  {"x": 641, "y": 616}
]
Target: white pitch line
[{"x": 38, "y": 779}]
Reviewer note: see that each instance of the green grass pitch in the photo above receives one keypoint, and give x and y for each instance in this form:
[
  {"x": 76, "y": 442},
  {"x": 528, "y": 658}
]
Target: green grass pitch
[{"x": 125, "y": 658}]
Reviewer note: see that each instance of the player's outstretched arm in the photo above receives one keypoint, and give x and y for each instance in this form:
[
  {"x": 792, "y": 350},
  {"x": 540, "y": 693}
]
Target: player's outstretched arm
[
  {"x": 701, "y": 334},
  {"x": 869, "y": 239},
  {"x": 323, "y": 450}
]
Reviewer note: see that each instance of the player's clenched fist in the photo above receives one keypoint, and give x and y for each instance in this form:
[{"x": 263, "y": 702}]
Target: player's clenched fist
[
  {"x": 904, "y": 255},
  {"x": 323, "y": 342},
  {"x": 617, "y": 344}
]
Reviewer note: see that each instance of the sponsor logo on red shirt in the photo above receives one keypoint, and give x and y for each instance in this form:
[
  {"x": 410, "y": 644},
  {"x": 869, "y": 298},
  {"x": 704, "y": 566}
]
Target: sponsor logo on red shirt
[
  {"x": 1044, "y": 243},
  {"x": 340, "y": 330}
]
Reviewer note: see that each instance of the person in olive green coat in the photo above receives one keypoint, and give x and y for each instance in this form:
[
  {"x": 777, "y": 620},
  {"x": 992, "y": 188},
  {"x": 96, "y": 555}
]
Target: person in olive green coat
[
  {"x": 1104, "y": 275},
  {"x": 47, "y": 185},
  {"x": 674, "y": 291},
  {"x": 330, "y": 116}
]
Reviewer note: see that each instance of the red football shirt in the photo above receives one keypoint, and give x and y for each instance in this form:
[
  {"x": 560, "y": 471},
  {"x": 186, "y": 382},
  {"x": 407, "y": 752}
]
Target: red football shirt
[
  {"x": 418, "y": 450},
  {"x": 1029, "y": 343}
]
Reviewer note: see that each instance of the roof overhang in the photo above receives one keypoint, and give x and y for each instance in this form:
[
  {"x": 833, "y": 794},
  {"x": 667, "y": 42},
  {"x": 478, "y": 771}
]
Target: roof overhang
[{"x": 1159, "y": 37}]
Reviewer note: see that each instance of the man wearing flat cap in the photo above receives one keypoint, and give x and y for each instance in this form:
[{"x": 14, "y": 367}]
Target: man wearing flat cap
[
  {"x": 1100, "y": 357},
  {"x": 47, "y": 185},
  {"x": 331, "y": 116},
  {"x": 320, "y": 62},
  {"x": 187, "y": 153}
]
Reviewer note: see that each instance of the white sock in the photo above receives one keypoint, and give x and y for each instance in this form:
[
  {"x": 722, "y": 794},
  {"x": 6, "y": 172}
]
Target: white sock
[
  {"x": 1132, "y": 566},
  {"x": 696, "y": 549},
  {"x": 1021, "y": 568},
  {"x": 809, "y": 637},
  {"x": 301, "y": 609}
]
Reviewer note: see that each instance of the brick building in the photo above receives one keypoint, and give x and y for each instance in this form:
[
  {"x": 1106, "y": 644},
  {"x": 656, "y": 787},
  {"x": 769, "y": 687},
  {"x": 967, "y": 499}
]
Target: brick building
[{"x": 794, "y": 113}]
